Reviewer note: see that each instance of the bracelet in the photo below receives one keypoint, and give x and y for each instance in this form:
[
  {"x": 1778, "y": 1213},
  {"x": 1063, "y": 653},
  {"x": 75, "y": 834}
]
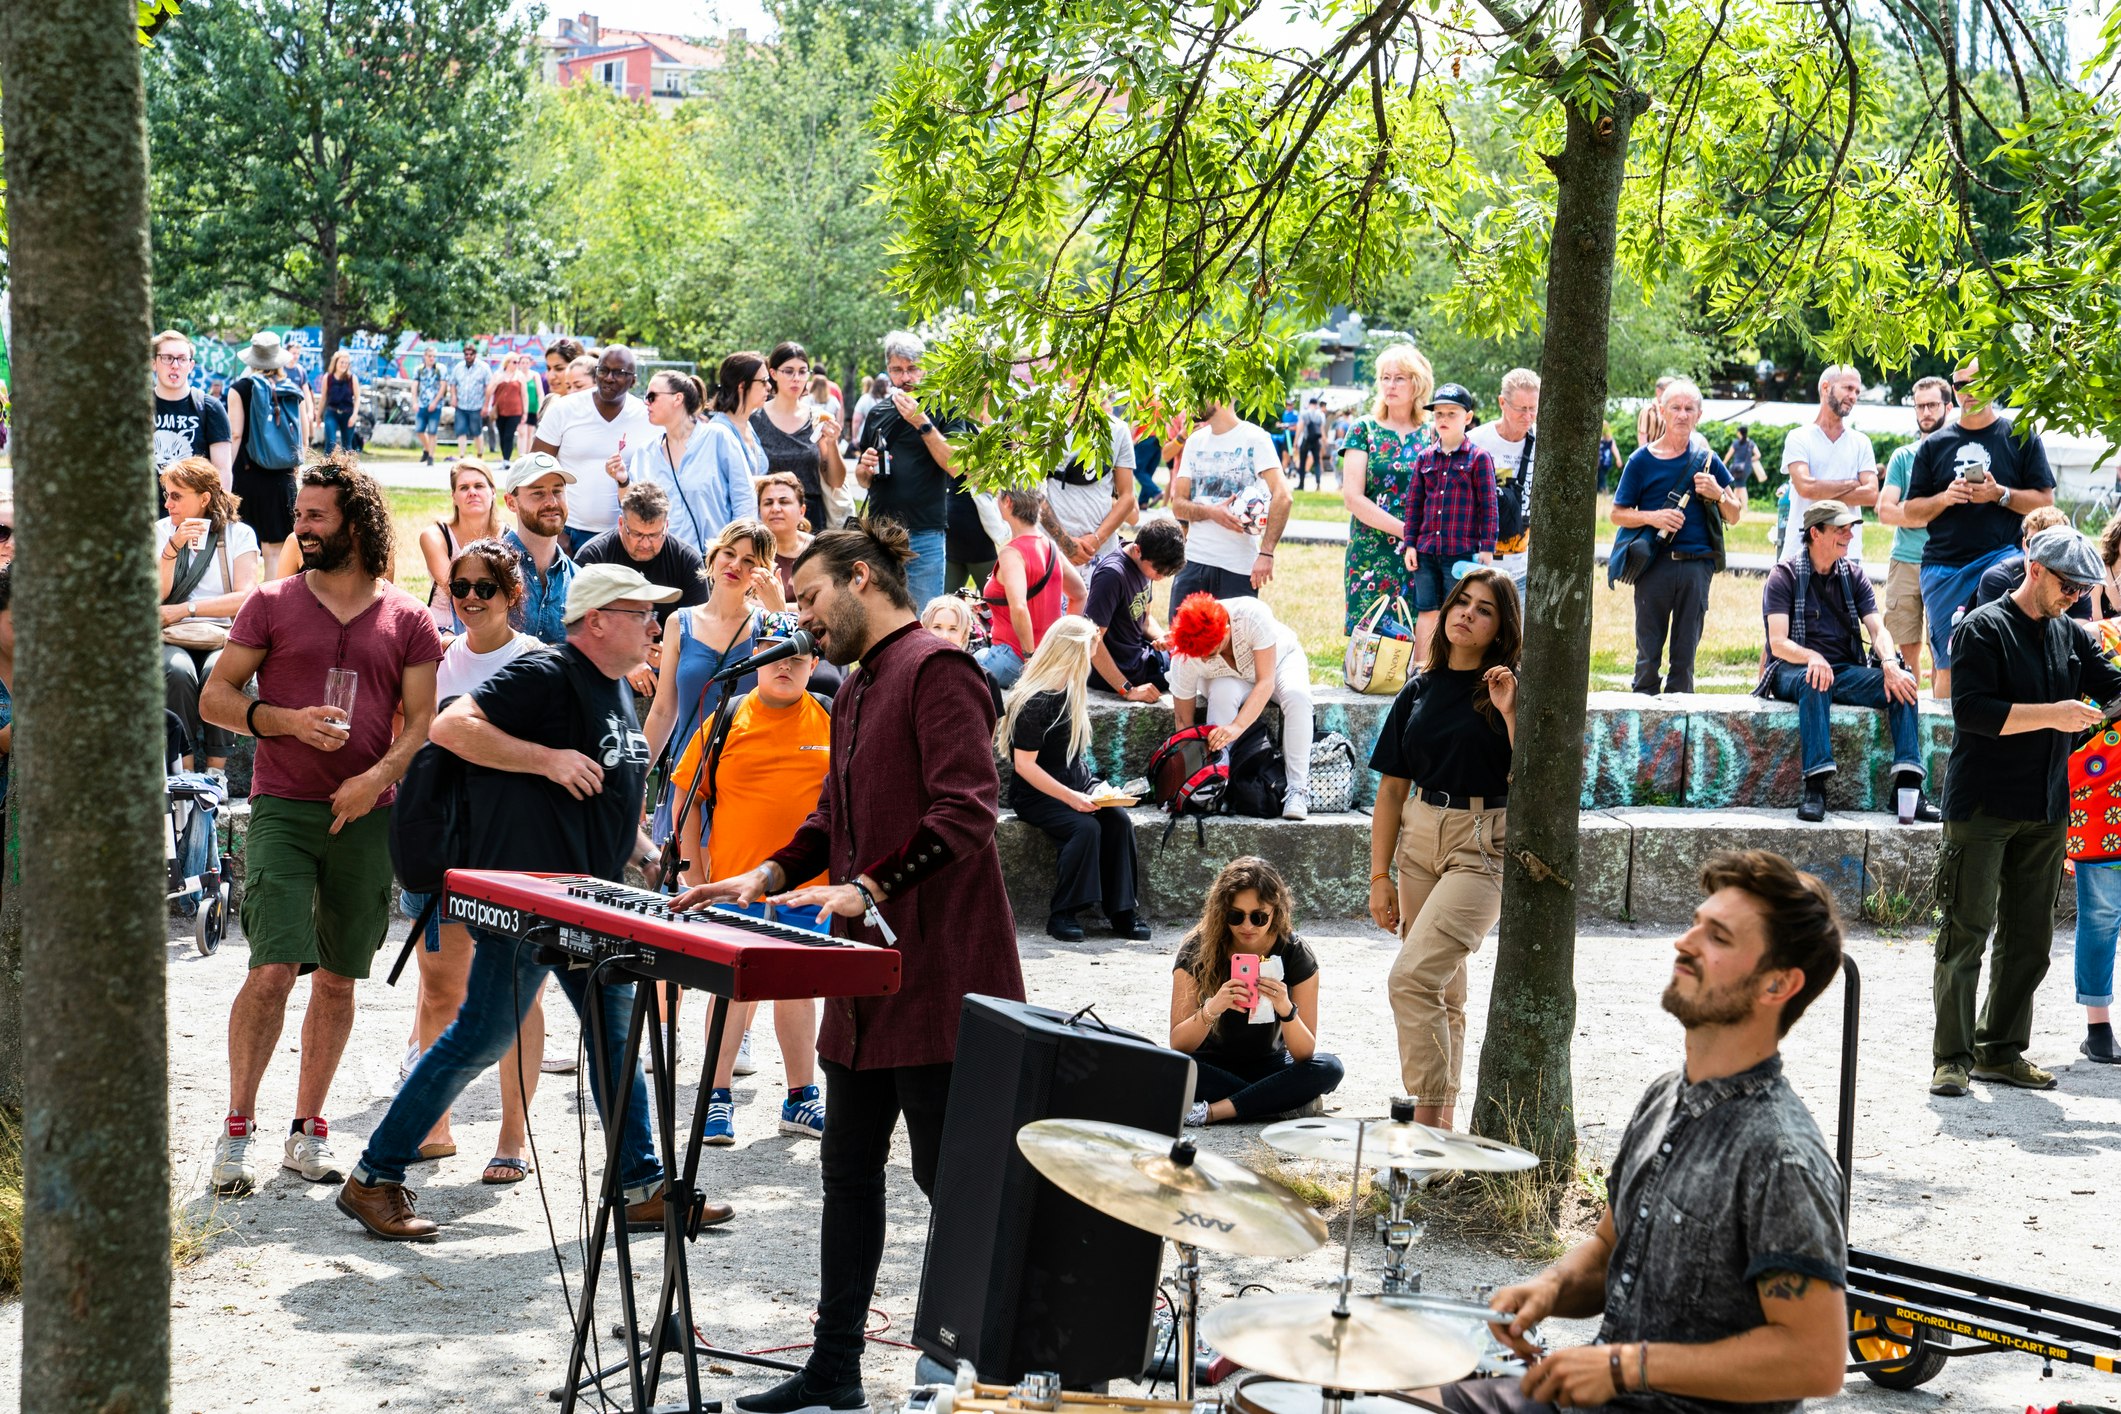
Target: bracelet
[
  {"x": 250, "y": 719},
  {"x": 1285, "y": 1020},
  {"x": 1613, "y": 1362},
  {"x": 1380, "y": 874},
  {"x": 1642, "y": 1364},
  {"x": 1266, "y": 554}
]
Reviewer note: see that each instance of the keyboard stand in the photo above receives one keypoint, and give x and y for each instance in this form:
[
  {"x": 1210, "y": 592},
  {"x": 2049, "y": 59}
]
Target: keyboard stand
[{"x": 671, "y": 1330}]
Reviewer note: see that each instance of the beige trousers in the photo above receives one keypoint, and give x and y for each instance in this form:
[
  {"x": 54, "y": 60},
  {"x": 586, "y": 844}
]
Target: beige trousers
[{"x": 1450, "y": 894}]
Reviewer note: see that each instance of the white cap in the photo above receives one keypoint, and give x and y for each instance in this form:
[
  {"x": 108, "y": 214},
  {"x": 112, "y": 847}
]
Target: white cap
[
  {"x": 533, "y": 466},
  {"x": 595, "y": 586}
]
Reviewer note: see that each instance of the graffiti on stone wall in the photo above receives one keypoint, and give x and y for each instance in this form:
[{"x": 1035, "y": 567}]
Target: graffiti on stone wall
[{"x": 1633, "y": 756}]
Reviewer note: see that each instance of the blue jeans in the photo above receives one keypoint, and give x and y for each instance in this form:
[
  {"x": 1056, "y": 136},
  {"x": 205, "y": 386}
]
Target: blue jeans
[
  {"x": 1002, "y": 663},
  {"x": 427, "y": 420},
  {"x": 924, "y": 577},
  {"x": 335, "y": 430},
  {"x": 497, "y": 996},
  {"x": 2098, "y": 922},
  {"x": 469, "y": 423},
  {"x": 1853, "y": 687}
]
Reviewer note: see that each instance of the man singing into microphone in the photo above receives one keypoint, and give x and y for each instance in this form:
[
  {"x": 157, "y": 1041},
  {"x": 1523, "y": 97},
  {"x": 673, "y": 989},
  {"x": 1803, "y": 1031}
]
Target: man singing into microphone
[{"x": 905, "y": 825}]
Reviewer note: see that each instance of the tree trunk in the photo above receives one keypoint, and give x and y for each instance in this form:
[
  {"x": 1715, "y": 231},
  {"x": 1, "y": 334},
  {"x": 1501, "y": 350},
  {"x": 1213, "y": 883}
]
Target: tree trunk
[
  {"x": 96, "y": 1261},
  {"x": 1526, "y": 1091}
]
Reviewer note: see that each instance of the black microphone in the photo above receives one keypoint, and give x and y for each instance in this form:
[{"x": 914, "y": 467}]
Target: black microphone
[{"x": 796, "y": 644}]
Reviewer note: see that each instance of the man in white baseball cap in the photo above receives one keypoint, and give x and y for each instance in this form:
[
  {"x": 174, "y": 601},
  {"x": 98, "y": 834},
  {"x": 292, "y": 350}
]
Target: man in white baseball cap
[
  {"x": 536, "y": 491},
  {"x": 557, "y": 766}
]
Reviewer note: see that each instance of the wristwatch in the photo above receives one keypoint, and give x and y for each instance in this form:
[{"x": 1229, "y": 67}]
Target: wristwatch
[
  {"x": 1285, "y": 1020},
  {"x": 2003, "y": 497}
]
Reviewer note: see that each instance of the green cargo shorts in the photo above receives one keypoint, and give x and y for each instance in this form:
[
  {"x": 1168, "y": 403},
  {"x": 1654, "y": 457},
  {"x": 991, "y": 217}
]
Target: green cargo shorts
[{"x": 312, "y": 898}]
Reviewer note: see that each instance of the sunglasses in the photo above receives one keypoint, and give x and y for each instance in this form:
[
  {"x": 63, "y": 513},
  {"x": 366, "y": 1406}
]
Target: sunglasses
[
  {"x": 2070, "y": 587},
  {"x": 1258, "y": 917},
  {"x": 7, "y": 533},
  {"x": 653, "y": 393},
  {"x": 465, "y": 588}
]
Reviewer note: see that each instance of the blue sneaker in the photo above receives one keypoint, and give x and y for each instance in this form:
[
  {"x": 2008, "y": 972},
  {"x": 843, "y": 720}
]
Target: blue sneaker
[
  {"x": 805, "y": 1115},
  {"x": 720, "y": 1127}
]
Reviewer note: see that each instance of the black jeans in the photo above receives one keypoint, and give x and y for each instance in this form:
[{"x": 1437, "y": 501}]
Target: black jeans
[
  {"x": 862, "y": 1109},
  {"x": 1212, "y": 580},
  {"x": 1097, "y": 862},
  {"x": 1268, "y": 1085},
  {"x": 506, "y": 425},
  {"x": 1671, "y": 599},
  {"x": 1311, "y": 454}
]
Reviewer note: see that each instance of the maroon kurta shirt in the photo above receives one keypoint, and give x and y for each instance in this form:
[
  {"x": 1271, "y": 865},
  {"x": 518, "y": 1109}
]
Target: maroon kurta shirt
[{"x": 911, "y": 800}]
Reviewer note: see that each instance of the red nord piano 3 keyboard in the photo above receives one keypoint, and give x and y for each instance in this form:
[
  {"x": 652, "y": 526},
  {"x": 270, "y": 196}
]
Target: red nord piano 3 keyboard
[{"x": 714, "y": 949}]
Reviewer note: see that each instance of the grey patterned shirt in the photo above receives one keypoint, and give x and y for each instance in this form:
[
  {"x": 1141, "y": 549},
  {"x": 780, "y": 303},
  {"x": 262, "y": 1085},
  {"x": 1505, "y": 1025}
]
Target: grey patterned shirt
[{"x": 1714, "y": 1186}]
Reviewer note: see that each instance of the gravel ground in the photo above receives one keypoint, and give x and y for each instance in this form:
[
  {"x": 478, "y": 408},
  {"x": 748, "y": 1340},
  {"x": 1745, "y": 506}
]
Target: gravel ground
[{"x": 294, "y": 1306}]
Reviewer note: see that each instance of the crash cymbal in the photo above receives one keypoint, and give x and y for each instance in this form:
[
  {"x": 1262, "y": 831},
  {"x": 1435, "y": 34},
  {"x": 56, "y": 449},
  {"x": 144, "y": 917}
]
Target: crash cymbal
[
  {"x": 1165, "y": 1186},
  {"x": 1396, "y": 1144},
  {"x": 1298, "y": 1336}
]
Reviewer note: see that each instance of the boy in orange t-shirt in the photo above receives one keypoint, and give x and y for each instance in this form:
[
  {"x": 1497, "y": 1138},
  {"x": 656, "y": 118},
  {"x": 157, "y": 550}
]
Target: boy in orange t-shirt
[{"x": 764, "y": 784}]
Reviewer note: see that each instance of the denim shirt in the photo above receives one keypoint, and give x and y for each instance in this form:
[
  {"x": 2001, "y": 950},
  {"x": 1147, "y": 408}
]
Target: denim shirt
[
  {"x": 711, "y": 487},
  {"x": 544, "y": 595},
  {"x": 1716, "y": 1185}
]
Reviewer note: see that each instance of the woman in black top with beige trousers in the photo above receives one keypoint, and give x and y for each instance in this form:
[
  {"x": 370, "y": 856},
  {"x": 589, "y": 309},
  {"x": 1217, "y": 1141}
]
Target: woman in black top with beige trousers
[{"x": 1444, "y": 754}]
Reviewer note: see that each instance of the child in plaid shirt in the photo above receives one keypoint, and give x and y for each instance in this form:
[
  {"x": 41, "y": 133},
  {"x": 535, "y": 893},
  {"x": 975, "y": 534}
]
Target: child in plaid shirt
[{"x": 1451, "y": 512}]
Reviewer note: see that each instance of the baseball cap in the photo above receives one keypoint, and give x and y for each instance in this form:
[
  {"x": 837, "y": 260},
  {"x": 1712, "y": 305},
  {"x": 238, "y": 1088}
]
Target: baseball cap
[
  {"x": 2068, "y": 553},
  {"x": 1830, "y": 513},
  {"x": 530, "y": 467},
  {"x": 1454, "y": 394},
  {"x": 595, "y": 586}
]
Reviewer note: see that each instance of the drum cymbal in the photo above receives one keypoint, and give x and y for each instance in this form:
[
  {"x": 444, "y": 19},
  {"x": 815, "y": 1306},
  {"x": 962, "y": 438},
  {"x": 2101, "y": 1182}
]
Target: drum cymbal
[
  {"x": 1152, "y": 1182},
  {"x": 1297, "y": 1336},
  {"x": 1396, "y": 1144}
]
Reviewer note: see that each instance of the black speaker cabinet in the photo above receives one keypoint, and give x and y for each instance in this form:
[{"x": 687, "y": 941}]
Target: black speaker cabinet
[{"x": 1020, "y": 1276}]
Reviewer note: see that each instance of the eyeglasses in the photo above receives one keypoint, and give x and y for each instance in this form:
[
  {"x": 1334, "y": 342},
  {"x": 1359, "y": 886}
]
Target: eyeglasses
[
  {"x": 174, "y": 360},
  {"x": 615, "y": 375},
  {"x": 1962, "y": 384},
  {"x": 1259, "y": 917},
  {"x": 465, "y": 588},
  {"x": 644, "y": 615}
]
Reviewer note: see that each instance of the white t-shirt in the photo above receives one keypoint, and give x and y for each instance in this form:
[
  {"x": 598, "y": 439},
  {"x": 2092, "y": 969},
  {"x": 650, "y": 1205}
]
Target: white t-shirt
[
  {"x": 242, "y": 540},
  {"x": 462, "y": 670},
  {"x": 1506, "y": 456},
  {"x": 1827, "y": 460},
  {"x": 1081, "y": 509},
  {"x": 1221, "y": 466},
  {"x": 1252, "y": 625},
  {"x": 586, "y": 441}
]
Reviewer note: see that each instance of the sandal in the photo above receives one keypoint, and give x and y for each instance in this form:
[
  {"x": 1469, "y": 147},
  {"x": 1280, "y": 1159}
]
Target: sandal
[
  {"x": 513, "y": 1170},
  {"x": 430, "y": 1152}
]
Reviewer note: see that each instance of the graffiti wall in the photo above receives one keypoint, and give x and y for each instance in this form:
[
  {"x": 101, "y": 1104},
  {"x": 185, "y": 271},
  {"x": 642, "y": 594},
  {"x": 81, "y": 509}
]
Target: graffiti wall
[{"x": 216, "y": 362}]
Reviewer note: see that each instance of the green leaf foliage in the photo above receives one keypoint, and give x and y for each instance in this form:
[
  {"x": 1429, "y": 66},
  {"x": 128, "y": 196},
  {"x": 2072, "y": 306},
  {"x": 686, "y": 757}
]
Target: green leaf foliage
[{"x": 326, "y": 157}]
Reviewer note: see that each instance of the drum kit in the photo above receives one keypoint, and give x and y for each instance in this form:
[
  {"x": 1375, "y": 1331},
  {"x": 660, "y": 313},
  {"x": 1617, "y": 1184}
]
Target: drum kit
[{"x": 1330, "y": 1352}]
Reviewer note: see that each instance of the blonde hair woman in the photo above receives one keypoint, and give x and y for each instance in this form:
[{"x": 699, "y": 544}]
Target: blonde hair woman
[
  {"x": 1046, "y": 731},
  {"x": 476, "y": 515},
  {"x": 1376, "y": 469}
]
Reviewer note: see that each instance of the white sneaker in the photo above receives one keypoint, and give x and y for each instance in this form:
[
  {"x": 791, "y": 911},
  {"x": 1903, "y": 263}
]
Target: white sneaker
[
  {"x": 412, "y": 1058},
  {"x": 308, "y": 1152},
  {"x": 1297, "y": 807},
  {"x": 743, "y": 1057},
  {"x": 235, "y": 1171},
  {"x": 1197, "y": 1114}
]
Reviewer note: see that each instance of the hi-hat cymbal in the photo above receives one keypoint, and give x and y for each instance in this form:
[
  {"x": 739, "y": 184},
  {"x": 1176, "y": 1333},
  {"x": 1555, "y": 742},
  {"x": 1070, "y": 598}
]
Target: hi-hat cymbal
[
  {"x": 1396, "y": 1144},
  {"x": 1298, "y": 1336},
  {"x": 1152, "y": 1182}
]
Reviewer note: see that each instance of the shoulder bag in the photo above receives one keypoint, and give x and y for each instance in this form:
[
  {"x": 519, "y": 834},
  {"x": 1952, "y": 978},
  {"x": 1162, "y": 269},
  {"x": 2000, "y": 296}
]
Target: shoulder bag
[
  {"x": 198, "y": 635},
  {"x": 1380, "y": 651}
]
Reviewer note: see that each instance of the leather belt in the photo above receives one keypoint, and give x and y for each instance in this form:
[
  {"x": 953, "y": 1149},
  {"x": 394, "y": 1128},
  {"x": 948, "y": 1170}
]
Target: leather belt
[{"x": 1444, "y": 800}]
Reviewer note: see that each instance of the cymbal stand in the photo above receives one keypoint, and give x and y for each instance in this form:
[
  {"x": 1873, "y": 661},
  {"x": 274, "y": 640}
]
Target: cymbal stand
[
  {"x": 1188, "y": 1277},
  {"x": 1398, "y": 1231}
]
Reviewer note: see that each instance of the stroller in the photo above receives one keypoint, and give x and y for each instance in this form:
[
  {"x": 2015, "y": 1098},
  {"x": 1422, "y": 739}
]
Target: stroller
[{"x": 199, "y": 873}]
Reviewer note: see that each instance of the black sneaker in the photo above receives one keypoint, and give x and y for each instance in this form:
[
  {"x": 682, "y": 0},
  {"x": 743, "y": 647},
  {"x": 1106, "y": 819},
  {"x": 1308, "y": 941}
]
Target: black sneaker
[
  {"x": 1130, "y": 926},
  {"x": 1063, "y": 927},
  {"x": 1813, "y": 810},
  {"x": 2098, "y": 1044},
  {"x": 796, "y": 1395}
]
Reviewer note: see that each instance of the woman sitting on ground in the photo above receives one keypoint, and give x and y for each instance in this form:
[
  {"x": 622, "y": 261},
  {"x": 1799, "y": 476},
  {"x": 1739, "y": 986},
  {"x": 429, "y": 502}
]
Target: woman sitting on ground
[
  {"x": 1240, "y": 657},
  {"x": 485, "y": 587},
  {"x": 1444, "y": 755},
  {"x": 475, "y": 515},
  {"x": 206, "y": 565},
  {"x": 1024, "y": 592},
  {"x": 950, "y": 617},
  {"x": 1045, "y": 732},
  {"x": 1250, "y": 1065}
]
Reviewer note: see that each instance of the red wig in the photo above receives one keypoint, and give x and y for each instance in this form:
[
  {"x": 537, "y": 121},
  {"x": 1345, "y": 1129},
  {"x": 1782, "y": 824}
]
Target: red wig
[{"x": 1200, "y": 626}]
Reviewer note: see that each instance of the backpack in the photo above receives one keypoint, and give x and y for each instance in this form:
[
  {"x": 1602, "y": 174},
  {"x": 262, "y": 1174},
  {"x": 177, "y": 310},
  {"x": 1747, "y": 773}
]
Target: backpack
[
  {"x": 1258, "y": 782},
  {"x": 430, "y": 833},
  {"x": 272, "y": 438},
  {"x": 1186, "y": 778},
  {"x": 1173, "y": 766}
]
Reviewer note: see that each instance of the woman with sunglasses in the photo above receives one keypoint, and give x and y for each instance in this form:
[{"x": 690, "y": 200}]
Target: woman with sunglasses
[
  {"x": 485, "y": 586},
  {"x": 1044, "y": 733},
  {"x": 713, "y": 489},
  {"x": 798, "y": 436},
  {"x": 475, "y": 515},
  {"x": 1444, "y": 755},
  {"x": 207, "y": 563},
  {"x": 1253, "y": 1062}
]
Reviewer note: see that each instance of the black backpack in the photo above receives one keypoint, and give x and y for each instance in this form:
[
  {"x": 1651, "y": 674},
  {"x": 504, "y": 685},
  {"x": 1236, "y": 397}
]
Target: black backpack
[
  {"x": 430, "y": 832},
  {"x": 1258, "y": 781}
]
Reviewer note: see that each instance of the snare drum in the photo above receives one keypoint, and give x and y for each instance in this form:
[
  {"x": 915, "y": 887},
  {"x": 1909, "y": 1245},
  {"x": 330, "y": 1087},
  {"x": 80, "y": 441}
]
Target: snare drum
[{"x": 1263, "y": 1394}]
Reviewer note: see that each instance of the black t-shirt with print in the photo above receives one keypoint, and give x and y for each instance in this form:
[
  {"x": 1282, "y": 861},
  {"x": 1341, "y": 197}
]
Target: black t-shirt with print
[
  {"x": 1963, "y": 534},
  {"x": 676, "y": 565},
  {"x": 186, "y": 428},
  {"x": 525, "y": 821},
  {"x": 1118, "y": 601},
  {"x": 915, "y": 494},
  {"x": 1234, "y": 1035}
]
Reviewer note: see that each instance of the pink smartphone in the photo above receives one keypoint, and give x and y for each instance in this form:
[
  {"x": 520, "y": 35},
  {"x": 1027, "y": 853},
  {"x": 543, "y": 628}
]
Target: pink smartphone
[{"x": 1244, "y": 967}]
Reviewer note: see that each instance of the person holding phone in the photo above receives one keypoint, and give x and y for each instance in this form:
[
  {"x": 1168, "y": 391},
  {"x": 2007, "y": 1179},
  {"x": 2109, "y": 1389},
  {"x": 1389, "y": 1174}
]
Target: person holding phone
[{"x": 1249, "y": 1066}]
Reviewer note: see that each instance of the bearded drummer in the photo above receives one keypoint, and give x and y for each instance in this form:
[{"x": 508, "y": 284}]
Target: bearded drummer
[{"x": 1718, "y": 1268}]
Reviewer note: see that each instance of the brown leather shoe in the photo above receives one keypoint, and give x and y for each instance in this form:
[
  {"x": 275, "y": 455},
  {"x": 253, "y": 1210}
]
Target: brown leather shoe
[
  {"x": 647, "y": 1215},
  {"x": 385, "y": 1209}
]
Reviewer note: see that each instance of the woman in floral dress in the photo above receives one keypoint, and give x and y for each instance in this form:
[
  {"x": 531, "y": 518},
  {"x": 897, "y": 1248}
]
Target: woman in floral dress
[{"x": 1376, "y": 466}]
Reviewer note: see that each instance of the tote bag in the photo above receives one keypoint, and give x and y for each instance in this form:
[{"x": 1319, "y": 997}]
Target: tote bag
[{"x": 1378, "y": 658}]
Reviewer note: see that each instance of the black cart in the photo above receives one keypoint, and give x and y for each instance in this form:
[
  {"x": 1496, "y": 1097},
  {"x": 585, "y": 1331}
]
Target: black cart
[{"x": 1906, "y": 1319}]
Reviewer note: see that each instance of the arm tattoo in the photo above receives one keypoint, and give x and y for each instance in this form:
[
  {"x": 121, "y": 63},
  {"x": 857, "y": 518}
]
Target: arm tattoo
[{"x": 1783, "y": 1286}]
